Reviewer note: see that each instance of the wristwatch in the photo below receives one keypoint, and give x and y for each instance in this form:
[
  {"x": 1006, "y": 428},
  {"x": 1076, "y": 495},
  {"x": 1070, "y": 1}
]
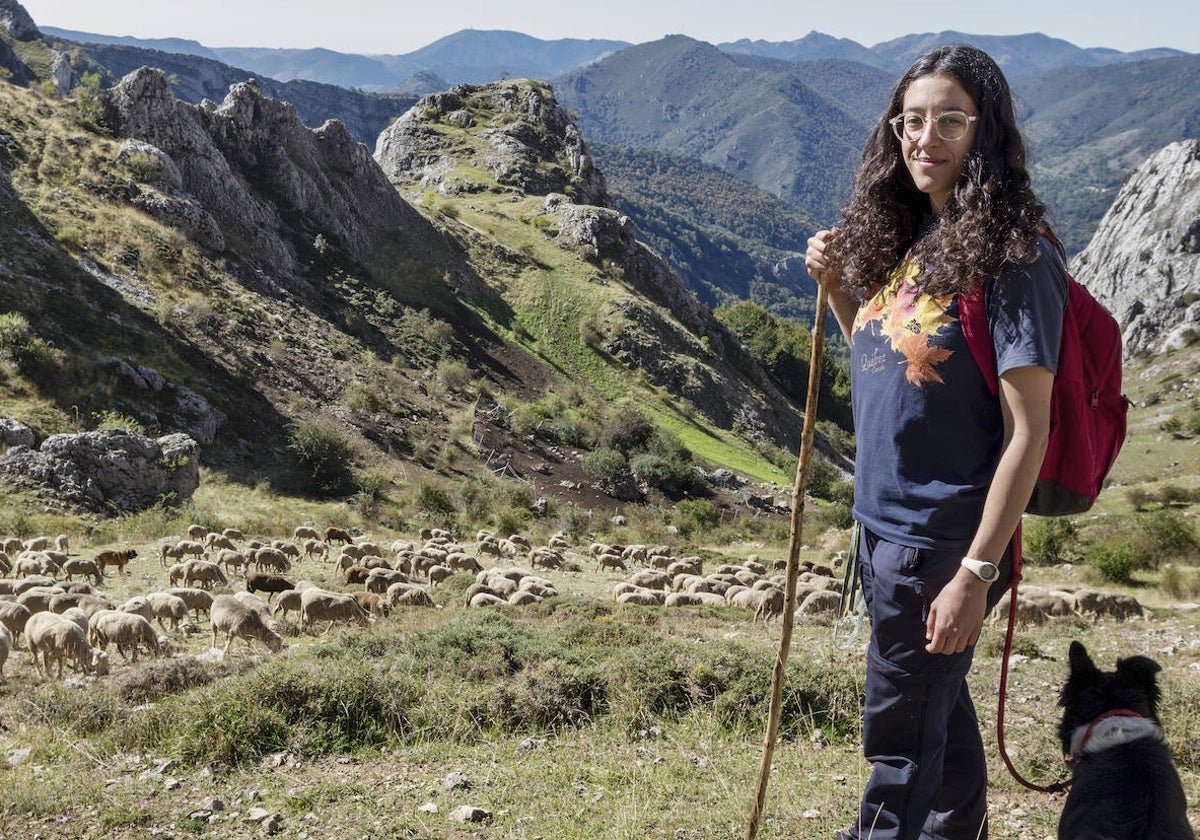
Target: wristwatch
[{"x": 982, "y": 569}]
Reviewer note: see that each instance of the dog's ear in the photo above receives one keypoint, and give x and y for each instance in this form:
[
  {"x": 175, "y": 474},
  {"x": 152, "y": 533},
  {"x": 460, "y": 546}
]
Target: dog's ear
[
  {"x": 1082, "y": 667},
  {"x": 1140, "y": 671}
]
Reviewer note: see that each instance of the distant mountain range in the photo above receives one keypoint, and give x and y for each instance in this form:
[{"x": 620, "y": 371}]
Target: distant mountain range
[
  {"x": 473, "y": 55},
  {"x": 787, "y": 119}
]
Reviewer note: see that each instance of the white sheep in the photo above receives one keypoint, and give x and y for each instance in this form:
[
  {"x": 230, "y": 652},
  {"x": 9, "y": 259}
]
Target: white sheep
[
  {"x": 197, "y": 600},
  {"x": 233, "y": 534},
  {"x": 37, "y": 544},
  {"x": 237, "y": 619},
  {"x": 219, "y": 541},
  {"x": 14, "y": 617},
  {"x": 320, "y": 605},
  {"x": 82, "y": 567},
  {"x": 305, "y": 532},
  {"x": 197, "y": 532},
  {"x": 54, "y": 639},
  {"x": 204, "y": 573},
  {"x": 128, "y": 631},
  {"x": 6, "y": 643},
  {"x": 168, "y": 607},
  {"x": 138, "y": 605}
]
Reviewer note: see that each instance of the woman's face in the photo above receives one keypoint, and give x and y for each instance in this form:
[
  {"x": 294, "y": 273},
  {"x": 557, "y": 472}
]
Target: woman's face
[{"x": 934, "y": 163}]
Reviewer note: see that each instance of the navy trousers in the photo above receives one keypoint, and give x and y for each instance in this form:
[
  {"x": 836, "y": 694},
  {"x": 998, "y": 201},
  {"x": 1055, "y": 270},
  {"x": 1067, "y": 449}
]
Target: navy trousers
[{"x": 920, "y": 733}]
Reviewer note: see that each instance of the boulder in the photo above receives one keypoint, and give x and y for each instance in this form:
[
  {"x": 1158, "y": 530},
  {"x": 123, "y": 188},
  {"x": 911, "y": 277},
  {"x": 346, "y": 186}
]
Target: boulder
[{"x": 109, "y": 471}]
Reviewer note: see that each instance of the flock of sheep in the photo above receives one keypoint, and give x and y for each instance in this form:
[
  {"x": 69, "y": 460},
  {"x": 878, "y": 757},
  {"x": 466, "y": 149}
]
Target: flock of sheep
[{"x": 57, "y": 599}]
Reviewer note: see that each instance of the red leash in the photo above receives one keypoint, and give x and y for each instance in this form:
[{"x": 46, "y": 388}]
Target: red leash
[{"x": 1008, "y": 639}]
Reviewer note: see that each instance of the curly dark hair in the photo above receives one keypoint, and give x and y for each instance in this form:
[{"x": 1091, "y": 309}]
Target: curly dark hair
[{"x": 992, "y": 216}]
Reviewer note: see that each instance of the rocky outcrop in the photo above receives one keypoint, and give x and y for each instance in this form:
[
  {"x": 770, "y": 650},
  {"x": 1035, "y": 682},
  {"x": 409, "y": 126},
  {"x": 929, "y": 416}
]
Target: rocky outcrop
[
  {"x": 17, "y": 22},
  {"x": 531, "y": 146},
  {"x": 108, "y": 471},
  {"x": 248, "y": 171},
  {"x": 1144, "y": 261},
  {"x": 517, "y": 133}
]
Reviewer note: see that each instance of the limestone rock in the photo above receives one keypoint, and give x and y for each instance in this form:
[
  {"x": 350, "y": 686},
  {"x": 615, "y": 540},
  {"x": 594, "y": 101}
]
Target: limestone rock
[
  {"x": 1143, "y": 262},
  {"x": 109, "y": 470},
  {"x": 260, "y": 175},
  {"x": 17, "y": 22},
  {"x": 13, "y": 433}
]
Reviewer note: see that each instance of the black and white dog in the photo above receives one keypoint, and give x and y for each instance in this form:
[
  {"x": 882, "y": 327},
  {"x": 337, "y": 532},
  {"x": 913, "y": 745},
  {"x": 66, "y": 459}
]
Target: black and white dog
[{"x": 1123, "y": 784}]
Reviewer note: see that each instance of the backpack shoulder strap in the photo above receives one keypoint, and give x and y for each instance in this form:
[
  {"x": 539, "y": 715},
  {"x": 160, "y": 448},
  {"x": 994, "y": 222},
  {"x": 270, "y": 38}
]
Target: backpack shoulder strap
[{"x": 973, "y": 317}]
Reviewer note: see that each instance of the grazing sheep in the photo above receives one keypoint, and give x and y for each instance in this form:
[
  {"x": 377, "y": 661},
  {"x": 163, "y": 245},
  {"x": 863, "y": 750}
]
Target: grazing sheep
[
  {"x": 643, "y": 597},
  {"x": 14, "y": 617},
  {"x": 339, "y": 534},
  {"x": 169, "y": 551},
  {"x": 168, "y": 607},
  {"x": 290, "y": 549},
  {"x": 262, "y": 582},
  {"x": 138, "y": 605},
  {"x": 86, "y": 568},
  {"x": 232, "y": 559},
  {"x": 62, "y": 543},
  {"x": 437, "y": 574},
  {"x": 197, "y": 600},
  {"x": 320, "y": 605},
  {"x": 233, "y": 534},
  {"x": 304, "y": 532},
  {"x": 262, "y": 608},
  {"x": 89, "y": 604},
  {"x": 35, "y": 563},
  {"x": 176, "y": 573},
  {"x": 380, "y": 579},
  {"x": 547, "y": 558},
  {"x": 192, "y": 547},
  {"x": 37, "y": 544},
  {"x": 197, "y": 533},
  {"x": 288, "y": 601},
  {"x": 408, "y": 595},
  {"x": 33, "y": 581},
  {"x": 37, "y": 599},
  {"x": 269, "y": 558},
  {"x": 352, "y": 550},
  {"x": 651, "y": 579},
  {"x": 6, "y": 643},
  {"x": 356, "y": 574},
  {"x": 485, "y": 599},
  {"x": 314, "y": 548},
  {"x": 770, "y": 605},
  {"x": 367, "y": 547},
  {"x": 374, "y": 561},
  {"x": 204, "y": 573},
  {"x": 820, "y": 603},
  {"x": 239, "y": 620},
  {"x": 220, "y": 541},
  {"x": 118, "y": 558},
  {"x": 523, "y": 598},
  {"x": 611, "y": 561},
  {"x": 372, "y": 603},
  {"x": 55, "y": 638}
]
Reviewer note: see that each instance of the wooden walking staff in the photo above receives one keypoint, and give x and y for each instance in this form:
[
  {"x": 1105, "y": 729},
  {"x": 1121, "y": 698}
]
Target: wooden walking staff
[{"x": 793, "y": 562}]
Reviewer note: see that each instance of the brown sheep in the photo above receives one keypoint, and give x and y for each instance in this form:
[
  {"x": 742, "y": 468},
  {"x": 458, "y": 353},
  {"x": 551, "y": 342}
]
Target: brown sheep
[
  {"x": 372, "y": 603},
  {"x": 272, "y": 584},
  {"x": 339, "y": 534}
]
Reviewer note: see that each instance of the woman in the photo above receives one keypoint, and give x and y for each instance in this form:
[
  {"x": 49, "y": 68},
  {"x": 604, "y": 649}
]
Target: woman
[{"x": 941, "y": 208}]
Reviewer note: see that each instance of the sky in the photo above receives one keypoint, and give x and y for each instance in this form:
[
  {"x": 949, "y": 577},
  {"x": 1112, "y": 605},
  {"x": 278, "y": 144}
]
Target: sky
[{"x": 401, "y": 26}]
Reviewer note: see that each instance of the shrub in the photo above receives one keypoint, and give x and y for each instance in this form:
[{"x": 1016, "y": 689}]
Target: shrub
[
  {"x": 695, "y": 517},
  {"x": 324, "y": 452},
  {"x": 434, "y": 501},
  {"x": 627, "y": 432},
  {"x": 1048, "y": 539},
  {"x": 1113, "y": 561},
  {"x": 1161, "y": 535},
  {"x": 667, "y": 474},
  {"x": 607, "y": 465}
]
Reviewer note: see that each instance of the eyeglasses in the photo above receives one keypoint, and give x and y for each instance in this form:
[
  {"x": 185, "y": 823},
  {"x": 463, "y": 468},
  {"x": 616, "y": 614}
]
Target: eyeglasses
[{"x": 949, "y": 125}]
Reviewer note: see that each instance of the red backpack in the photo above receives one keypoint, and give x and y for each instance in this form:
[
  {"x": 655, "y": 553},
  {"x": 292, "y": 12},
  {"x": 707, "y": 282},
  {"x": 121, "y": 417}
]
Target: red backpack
[{"x": 1087, "y": 409}]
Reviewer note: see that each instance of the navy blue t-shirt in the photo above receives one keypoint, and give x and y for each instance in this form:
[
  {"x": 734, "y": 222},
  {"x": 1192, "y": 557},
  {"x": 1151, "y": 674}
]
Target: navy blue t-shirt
[{"x": 928, "y": 430}]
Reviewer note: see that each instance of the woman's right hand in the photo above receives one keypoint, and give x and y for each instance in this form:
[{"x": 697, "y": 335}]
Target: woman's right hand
[{"x": 819, "y": 265}]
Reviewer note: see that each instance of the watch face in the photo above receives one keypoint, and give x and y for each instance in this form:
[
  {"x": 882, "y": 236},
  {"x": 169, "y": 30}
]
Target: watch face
[{"x": 988, "y": 571}]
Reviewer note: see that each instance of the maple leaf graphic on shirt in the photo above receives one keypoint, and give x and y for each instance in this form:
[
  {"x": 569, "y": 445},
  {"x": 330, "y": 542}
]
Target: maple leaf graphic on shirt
[{"x": 909, "y": 319}]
